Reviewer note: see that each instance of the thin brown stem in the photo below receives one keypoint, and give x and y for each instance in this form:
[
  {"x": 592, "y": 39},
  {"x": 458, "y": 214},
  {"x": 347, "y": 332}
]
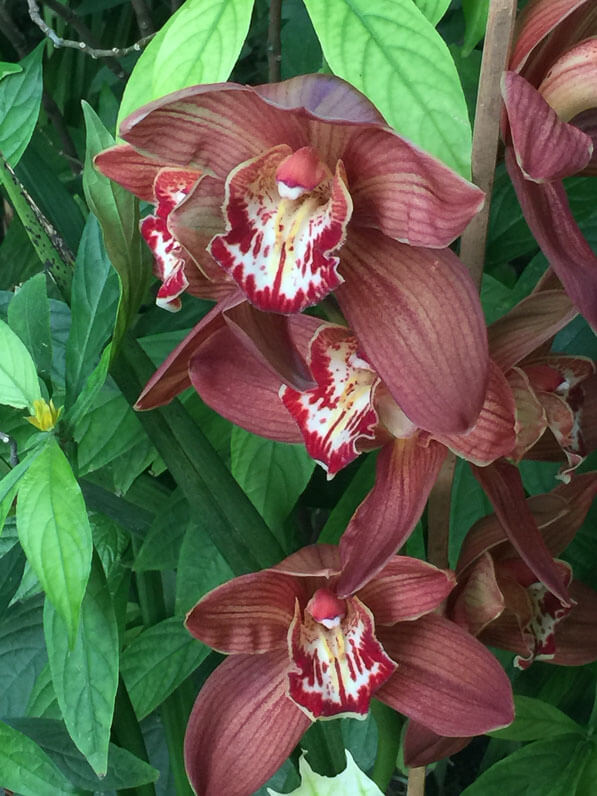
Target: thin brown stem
[
  {"x": 274, "y": 43},
  {"x": 416, "y": 781},
  {"x": 498, "y": 37}
]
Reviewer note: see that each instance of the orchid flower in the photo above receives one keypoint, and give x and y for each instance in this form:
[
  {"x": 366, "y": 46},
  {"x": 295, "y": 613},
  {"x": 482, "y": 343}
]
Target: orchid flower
[
  {"x": 301, "y": 649},
  {"x": 550, "y": 130},
  {"x": 304, "y": 190},
  {"x": 499, "y": 600}
]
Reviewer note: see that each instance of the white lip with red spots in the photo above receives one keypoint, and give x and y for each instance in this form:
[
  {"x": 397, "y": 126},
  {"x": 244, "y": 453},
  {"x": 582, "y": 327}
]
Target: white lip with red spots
[
  {"x": 540, "y": 631},
  {"x": 170, "y": 188},
  {"x": 286, "y": 214},
  {"x": 339, "y": 412},
  {"x": 338, "y": 661}
]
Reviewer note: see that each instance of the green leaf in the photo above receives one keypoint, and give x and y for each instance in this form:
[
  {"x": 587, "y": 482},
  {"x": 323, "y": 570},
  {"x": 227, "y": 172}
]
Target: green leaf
[
  {"x": 10, "y": 483},
  {"x": 272, "y": 474},
  {"x": 94, "y": 301},
  {"x": 433, "y": 9},
  {"x": 161, "y": 545},
  {"x": 124, "y": 769},
  {"x": 7, "y": 68},
  {"x": 468, "y": 504},
  {"x": 12, "y": 564},
  {"x": 20, "y": 100},
  {"x": 549, "y": 767},
  {"x": 26, "y": 768},
  {"x": 201, "y": 567},
  {"x": 340, "y": 515},
  {"x": 535, "y": 720},
  {"x": 19, "y": 386},
  {"x": 55, "y": 533},
  {"x": 86, "y": 677},
  {"x": 117, "y": 211},
  {"x": 42, "y": 700},
  {"x": 199, "y": 44},
  {"x": 87, "y": 397},
  {"x": 158, "y": 661},
  {"x": 475, "y": 17},
  {"x": 395, "y": 56},
  {"x": 29, "y": 317},
  {"x": 22, "y": 654}
]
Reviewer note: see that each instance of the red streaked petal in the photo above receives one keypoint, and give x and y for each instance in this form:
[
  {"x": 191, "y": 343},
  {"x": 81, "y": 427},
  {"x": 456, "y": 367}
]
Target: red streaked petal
[
  {"x": 316, "y": 560},
  {"x": 422, "y": 746},
  {"x": 172, "y": 377},
  {"x": 579, "y": 495},
  {"x": 405, "y": 589},
  {"x": 547, "y": 613},
  {"x": 478, "y": 600},
  {"x": 338, "y": 413},
  {"x": 445, "y": 678},
  {"x": 417, "y": 316},
  {"x": 337, "y": 669},
  {"x": 129, "y": 168},
  {"x": 406, "y": 472},
  {"x": 240, "y": 387},
  {"x": 493, "y": 434},
  {"x": 531, "y": 420},
  {"x": 546, "y": 148},
  {"x": 548, "y": 215},
  {"x": 326, "y": 97},
  {"x": 570, "y": 86},
  {"x": 406, "y": 193},
  {"x": 169, "y": 261},
  {"x": 278, "y": 248},
  {"x": 502, "y": 483},
  {"x": 251, "y": 613},
  {"x": 528, "y": 325},
  {"x": 243, "y": 725},
  {"x": 576, "y": 634}
]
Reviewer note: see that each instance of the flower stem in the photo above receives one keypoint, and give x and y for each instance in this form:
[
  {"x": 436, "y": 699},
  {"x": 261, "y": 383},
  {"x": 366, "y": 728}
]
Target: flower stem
[
  {"x": 416, "y": 781},
  {"x": 498, "y": 36},
  {"x": 389, "y": 726}
]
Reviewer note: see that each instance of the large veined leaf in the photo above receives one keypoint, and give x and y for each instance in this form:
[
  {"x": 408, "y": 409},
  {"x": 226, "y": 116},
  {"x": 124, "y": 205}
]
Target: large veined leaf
[
  {"x": 55, "y": 533},
  {"x": 26, "y": 768},
  {"x": 433, "y": 9},
  {"x": 86, "y": 677},
  {"x": 393, "y": 54},
  {"x": 536, "y": 720},
  {"x": 22, "y": 654},
  {"x": 29, "y": 317},
  {"x": 199, "y": 44},
  {"x": 20, "y": 100},
  {"x": 19, "y": 386}
]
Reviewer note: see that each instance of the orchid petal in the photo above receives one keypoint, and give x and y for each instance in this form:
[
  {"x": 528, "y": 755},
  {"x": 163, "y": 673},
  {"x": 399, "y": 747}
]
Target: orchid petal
[
  {"x": 530, "y": 323},
  {"x": 417, "y": 316},
  {"x": 129, "y": 168},
  {"x": 576, "y": 635},
  {"x": 548, "y": 215},
  {"x": 241, "y": 387},
  {"x": 502, "y": 484},
  {"x": 478, "y": 599},
  {"x": 251, "y": 613},
  {"x": 337, "y": 667},
  {"x": 579, "y": 495},
  {"x": 316, "y": 560},
  {"x": 172, "y": 377},
  {"x": 445, "y": 678},
  {"x": 531, "y": 420},
  {"x": 570, "y": 86},
  {"x": 405, "y": 589},
  {"x": 493, "y": 434},
  {"x": 243, "y": 725},
  {"x": 406, "y": 472},
  {"x": 546, "y": 148},
  {"x": 422, "y": 746},
  {"x": 406, "y": 193}
]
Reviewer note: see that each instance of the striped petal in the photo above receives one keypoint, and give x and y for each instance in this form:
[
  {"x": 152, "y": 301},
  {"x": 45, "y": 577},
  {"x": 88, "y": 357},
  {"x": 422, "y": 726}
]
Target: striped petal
[
  {"x": 576, "y": 635},
  {"x": 243, "y": 725},
  {"x": 531, "y": 420},
  {"x": 338, "y": 661},
  {"x": 129, "y": 168},
  {"x": 422, "y": 746},
  {"x": 570, "y": 87}
]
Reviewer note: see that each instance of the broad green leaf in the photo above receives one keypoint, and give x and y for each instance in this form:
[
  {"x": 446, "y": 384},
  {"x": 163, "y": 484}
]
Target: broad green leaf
[
  {"x": 20, "y": 100},
  {"x": 340, "y": 515},
  {"x": 475, "y": 17},
  {"x": 536, "y": 720},
  {"x": 550, "y": 768},
  {"x": 7, "y": 68},
  {"x": 29, "y": 317},
  {"x": 157, "y": 661},
  {"x": 468, "y": 504},
  {"x": 199, "y": 44},
  {"x": 118, "y": 214},
  {"x": 201, "y": 567},
  {"x": 395, "y": 56},
  {"x": 588, "y": 777},
  {"x": 10, "y": 484},
  {"x": 55, "y": 533},
  {"x": 360, "y": 738},
  {"x": 22, "y": 654},
  {"x": 272, "y": 474},
  {"x": 94, "y": 301},
  {"x": 42, "y": 701},
  {"x": 124, "y": 469},
  {"x": 433, "y": 9},
  {"x": 87, "y": 397},
  {"x": 352, "y": 780},
  {"x": 124, "y": 769},
  {"x": 161, "y": 545},
  {"x": 11, "y": 571},
  {"x": 26, "y": 768},
  {"x": 86, "y": 677},
  {"x": 19, "y": 386}
]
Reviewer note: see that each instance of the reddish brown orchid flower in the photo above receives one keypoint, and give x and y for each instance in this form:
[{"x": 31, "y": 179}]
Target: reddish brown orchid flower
[
  {"x": 305, "y": 190},
  {"x": 550, "y": 130},
  {"x": 301, "y": 650}
]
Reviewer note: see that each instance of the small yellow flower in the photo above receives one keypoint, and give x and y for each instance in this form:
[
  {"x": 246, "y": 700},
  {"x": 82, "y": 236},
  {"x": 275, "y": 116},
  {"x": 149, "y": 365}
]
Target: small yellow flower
[{"x": 45, "y": 415}]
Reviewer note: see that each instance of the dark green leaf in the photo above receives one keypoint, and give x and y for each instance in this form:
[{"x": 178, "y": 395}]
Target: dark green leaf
[
  {"x": 12, "y": 564},
  {"x": 475, "y": 16},
  {"x": 201, "y": 567},
  {"x": 536, "y": 720},
  {"x": 22, "y": 654},
  {"x": 42, "y": 701},
  {"x": 29, "y": 317},
  {"x": 468, "y": 504},
  {"x": 358, "y": 488},
  {"x": 20, "y": 99},
  {"x": 161, "y": 546}
]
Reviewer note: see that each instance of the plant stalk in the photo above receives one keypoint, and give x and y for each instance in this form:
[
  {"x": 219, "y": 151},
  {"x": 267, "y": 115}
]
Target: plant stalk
[{"x": 274, "y": 43}]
